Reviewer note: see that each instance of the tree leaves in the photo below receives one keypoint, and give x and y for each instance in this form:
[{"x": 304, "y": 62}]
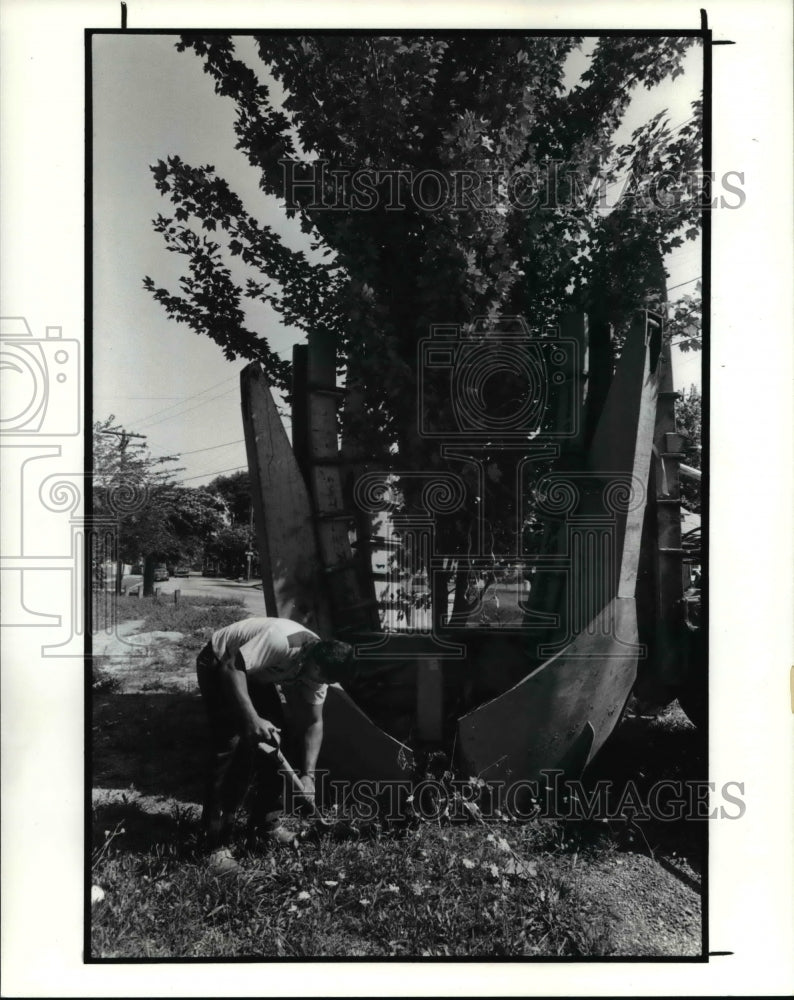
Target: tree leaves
[
  {"x": 685, "y": 322},
  {"x": 487, "y": 106}
]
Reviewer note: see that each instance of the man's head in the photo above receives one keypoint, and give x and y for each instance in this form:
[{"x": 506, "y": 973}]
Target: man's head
[{"x": 330, "y": 662}]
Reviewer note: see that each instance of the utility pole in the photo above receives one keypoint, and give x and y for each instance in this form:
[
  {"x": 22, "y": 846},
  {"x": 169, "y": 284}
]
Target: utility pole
[{"x": 124, "y": 439}]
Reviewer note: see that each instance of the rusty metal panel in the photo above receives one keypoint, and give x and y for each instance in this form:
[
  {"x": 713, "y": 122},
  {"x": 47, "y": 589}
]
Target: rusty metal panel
[
  {"x": 539, "y": 724},
  {"x": 607, "y": 493},
  {"x": 300, "y": 408},
  {"x": 574, "y": 699},
  {"x": 355, "y": 749},
  {"x": 291, "y": 571},
  {"x": 429, "y": 700}
]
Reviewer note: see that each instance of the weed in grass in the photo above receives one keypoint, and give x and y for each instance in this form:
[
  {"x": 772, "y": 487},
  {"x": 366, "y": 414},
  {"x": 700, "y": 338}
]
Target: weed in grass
[{"x": 101, "y": 852}]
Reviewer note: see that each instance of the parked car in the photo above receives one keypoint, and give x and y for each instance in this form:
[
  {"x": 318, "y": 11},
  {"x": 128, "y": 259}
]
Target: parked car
[
  {"x": 160, "y": 573},
  {"x": 182, "y": 570},
  {"x": 209, "y": 571}
]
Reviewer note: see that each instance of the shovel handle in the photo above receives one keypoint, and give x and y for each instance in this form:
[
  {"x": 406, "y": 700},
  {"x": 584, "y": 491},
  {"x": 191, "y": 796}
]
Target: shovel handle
[
  {"x": 297, "y": 784},
  {"x": 285, "y": 766}
]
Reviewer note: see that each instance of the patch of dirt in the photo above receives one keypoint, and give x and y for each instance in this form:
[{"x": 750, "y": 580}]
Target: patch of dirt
[
  {"x": 648, "y": 910},
  {"x": 114, "y": 644},
  {"x": 145, "y": 661}
]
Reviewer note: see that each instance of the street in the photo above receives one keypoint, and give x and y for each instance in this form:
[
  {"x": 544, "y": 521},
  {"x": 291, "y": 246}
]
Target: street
[{"x": 248, "y": 592}]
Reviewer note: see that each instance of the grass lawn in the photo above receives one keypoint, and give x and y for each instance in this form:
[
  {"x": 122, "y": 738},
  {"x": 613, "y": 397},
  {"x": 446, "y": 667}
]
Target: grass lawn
[
  {"x": 443, "y": 888},
  {"x": 431, "y": 890},
  {"x": 162, "y": 613},
  {"x": 195, "y": 618}
]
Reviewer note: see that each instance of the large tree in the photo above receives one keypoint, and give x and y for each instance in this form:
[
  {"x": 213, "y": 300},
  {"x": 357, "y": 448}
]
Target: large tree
[{"x": 507, "y": 220}]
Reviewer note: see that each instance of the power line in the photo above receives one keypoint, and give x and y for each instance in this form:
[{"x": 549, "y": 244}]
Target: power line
[
  {"x": 218, "y": 472},
  {"x": 682, "y": 283},
  {"x": 174, "y": 416},
  {"x": 186, "y": 398},
  {"x": 211, "y": 447},
  {"x": 165, "y": 409},
  {"x": 682, "y": 124}
]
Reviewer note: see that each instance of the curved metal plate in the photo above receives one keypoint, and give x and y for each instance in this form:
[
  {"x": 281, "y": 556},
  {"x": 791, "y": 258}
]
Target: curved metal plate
[
  {"x": 355, "y": 749},
  {"x": 538, "y": 724},
  {"x": 291, "y": 570}
]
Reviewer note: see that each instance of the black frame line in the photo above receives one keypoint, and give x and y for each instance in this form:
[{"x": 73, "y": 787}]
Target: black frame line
[{"x": 706, "y": 35}]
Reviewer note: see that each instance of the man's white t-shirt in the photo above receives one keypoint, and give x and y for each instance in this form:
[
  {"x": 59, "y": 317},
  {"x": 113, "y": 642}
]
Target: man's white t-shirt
[{"x": 270, "y": 650}]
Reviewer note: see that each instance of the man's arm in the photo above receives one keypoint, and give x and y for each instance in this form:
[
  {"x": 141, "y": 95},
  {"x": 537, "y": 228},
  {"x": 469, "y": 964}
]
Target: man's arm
[
  {"x": 309, "y": 730},
  {"x": 235, "y": 684}
]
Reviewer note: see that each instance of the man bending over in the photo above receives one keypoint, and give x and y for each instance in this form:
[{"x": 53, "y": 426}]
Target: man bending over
[{"x": 243, "y": 672}]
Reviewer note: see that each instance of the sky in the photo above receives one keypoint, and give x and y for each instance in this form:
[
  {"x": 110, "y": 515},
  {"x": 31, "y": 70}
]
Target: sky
[{"x": 156, "y": 376}]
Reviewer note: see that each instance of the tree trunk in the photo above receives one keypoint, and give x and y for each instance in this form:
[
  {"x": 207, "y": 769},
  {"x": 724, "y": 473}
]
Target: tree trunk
[
  {"x": 461, "y": 608},
  {"x": 148, "y": 575},
  {"x": 439, "y": 598}
]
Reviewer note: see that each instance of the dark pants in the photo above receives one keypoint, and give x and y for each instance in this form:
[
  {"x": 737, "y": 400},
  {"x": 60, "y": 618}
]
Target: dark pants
[{"x": 236, "y": 767}]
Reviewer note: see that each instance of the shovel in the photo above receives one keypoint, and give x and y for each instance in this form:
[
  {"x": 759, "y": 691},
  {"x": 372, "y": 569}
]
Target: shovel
[{"x": 295, "y": 781}]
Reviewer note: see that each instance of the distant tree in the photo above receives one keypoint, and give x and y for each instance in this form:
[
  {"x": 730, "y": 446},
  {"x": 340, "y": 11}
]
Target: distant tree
[
  {"x": 228, "y": 547},
  {"x": 158, "y": 519},
  {"x": 235, "y": 489}
]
